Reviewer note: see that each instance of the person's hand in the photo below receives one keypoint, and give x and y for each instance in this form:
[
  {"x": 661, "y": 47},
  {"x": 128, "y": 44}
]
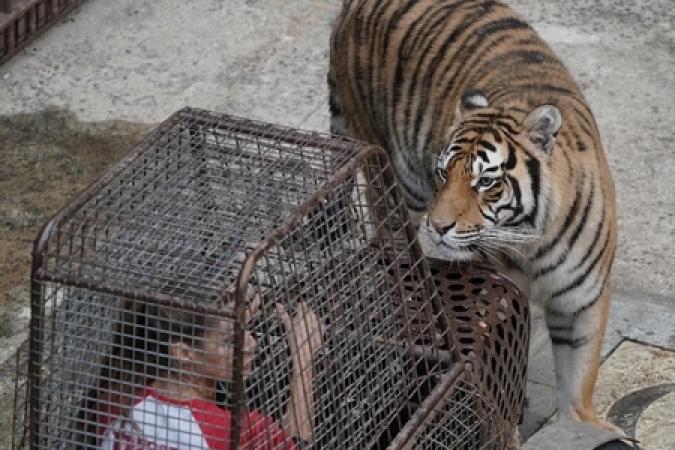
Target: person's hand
[{"x": 304, "y": 334}]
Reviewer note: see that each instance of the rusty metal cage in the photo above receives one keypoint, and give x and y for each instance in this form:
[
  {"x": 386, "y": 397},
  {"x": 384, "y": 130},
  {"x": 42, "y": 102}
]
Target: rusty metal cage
[
  {"x": 14, "y": 394},
  {"x": 234, "y": 284},
  {"x": 21, "y": 21}
]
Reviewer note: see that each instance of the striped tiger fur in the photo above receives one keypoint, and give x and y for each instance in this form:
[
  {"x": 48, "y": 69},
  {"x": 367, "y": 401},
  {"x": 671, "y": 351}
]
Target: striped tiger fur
[{"x": 497, "y": 153}]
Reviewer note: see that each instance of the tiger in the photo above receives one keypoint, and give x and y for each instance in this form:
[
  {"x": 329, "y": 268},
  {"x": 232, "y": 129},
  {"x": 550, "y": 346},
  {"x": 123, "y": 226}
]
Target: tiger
[{"x": 497, "y": 154}]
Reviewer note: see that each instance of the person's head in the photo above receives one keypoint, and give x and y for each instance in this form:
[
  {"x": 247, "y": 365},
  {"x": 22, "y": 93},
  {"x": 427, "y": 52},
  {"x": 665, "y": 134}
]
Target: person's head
[{"x": 188, "y": 345}]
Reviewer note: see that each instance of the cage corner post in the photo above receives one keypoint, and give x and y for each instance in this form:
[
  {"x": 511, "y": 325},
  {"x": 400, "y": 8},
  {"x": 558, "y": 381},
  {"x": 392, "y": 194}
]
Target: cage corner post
[
  {"x": 240, "y": 300},
  {"x": 410, "y": 231},
  {"x": 36, "y": 335}
]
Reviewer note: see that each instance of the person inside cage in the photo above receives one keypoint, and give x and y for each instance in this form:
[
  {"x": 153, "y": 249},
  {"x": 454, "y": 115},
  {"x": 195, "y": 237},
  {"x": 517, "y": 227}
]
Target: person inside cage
[{"x": 179, "y": 356}]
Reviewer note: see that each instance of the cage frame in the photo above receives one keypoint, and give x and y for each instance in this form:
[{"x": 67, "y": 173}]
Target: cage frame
[{"x": 467, "y": 357}]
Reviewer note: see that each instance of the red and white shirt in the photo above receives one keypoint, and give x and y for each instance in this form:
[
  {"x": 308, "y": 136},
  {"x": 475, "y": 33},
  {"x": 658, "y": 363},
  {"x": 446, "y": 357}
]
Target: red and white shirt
[{"x": 159, "y": 423}]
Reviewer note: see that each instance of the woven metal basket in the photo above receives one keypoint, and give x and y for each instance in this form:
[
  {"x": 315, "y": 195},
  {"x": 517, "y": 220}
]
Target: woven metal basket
[{"x": 249, "y": 228}]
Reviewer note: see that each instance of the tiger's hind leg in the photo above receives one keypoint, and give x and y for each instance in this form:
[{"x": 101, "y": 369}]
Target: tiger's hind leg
[{"x": 576, "y": 336}]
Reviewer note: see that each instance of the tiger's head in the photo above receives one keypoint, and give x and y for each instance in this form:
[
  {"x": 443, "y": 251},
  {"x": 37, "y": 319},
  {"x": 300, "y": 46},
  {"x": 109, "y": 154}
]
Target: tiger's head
[{"x": 491, "y": 180}]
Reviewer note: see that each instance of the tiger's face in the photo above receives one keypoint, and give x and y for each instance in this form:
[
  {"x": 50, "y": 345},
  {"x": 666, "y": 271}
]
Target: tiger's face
[{"x": 489, "y": 184}]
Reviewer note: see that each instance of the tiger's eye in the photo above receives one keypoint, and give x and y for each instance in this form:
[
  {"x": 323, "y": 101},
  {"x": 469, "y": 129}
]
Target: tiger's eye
[{"x": 485, "y": 182}]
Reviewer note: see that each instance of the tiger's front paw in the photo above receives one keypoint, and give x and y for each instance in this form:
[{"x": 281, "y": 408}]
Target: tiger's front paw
[
  {"x": 516, "y": 441},
  {"x": 592, "y": 418}
]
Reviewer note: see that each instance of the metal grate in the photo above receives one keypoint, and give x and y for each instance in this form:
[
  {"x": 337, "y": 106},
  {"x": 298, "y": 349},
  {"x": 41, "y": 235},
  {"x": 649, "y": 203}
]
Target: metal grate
[
  {"x": 14, "y": 394},
  {"x": 234, "y": 284},
  {"x": 490, "y": 321},
  {"x": 21, "y": 21}
]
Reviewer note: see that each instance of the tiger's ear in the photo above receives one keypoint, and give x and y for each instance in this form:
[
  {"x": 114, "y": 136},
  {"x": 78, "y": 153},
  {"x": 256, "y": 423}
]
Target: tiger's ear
[
  {"x": 542, "y": 124},
  {"x": 470, "y": 100}
]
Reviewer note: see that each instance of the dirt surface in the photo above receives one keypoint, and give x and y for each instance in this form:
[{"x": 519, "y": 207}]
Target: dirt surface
[{"x": 45, "y": 159}]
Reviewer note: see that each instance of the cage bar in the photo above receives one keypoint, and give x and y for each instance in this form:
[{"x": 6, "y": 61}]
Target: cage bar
[{"x": 236, "y": 284}]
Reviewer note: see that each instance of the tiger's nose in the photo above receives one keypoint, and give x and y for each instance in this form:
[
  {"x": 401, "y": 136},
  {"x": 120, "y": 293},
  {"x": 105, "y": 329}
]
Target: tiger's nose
[{"x": 441, "y": 226}]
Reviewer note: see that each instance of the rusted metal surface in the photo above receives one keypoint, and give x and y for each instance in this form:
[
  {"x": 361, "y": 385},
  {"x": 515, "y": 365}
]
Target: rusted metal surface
[
  {"x": 13, "y": 391},
  {"x": 261, "y": 227},
  {"x": 21, "y": 21},
  {"x": 491, "y": 325}
]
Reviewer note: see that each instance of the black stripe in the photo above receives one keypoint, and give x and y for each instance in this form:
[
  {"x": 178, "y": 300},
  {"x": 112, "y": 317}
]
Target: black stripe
[
  {"x": 586, "y": 123},
  {"x": 568, "y": 342},
  {"x": 595, "y": 240},
  {"x": 467, "y": 53},
  {"x": 566, "y": 224},
  {"x": 482, "y": 155},
  {"x": 584, "y": 217},
  {"x": 516, "y": 57},
  {"x": 488, "y": 117},
  {"x": 516, "y": 206},
  {"x": 570, "y": 169},
  {"x": 392, "y": 24},
  {"x": 428, "y": 22},
  {"x": 487, "y": 145},
  {"x": 573, "y": 238},
  {"x": 592, "y": 302},
  {"x": 482, "y": 11},
  {"x": 511, "y": 160},
  {"x": 412, "y": 31},
  {"x": 400, "y": 136},
  {"x": 491, "y": 219},
  {"x": 508, "y": 127},
  {"x": 470, "y": 53},
  {"x": 587, "y": 131},
  {"x": 494, "y": 195},
  {"x": 581, "y": 308},
  {"x": 477, "y": 125},
  {"x": 371, "y": 25},
  {"x": 561, "y": 259},
  {"x": 394, "y": 91},
  {"x": 534, "y": 170},
  {"x": 438, "y": 57},
  {"x": 533, "y": 87},
  {"x": 579, "y": 280},
  {"x": 506, "y": 115},
  {"x": 359, "y": 70},
  {"x": 443, "y": 54}
]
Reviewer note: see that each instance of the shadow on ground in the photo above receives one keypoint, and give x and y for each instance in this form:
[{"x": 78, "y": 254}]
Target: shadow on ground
[{"x": 45, "y": 159}]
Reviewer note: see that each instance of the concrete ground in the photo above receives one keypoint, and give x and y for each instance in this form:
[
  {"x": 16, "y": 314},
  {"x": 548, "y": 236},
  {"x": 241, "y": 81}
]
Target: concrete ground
[{"x": 83, "y": 93}]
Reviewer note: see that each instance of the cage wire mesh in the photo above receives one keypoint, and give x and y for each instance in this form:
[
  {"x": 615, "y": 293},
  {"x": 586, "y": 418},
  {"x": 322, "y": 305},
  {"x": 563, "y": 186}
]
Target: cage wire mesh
[
  {"x": 14, "y": 396},
  {"x": 234, "y": 284}
]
